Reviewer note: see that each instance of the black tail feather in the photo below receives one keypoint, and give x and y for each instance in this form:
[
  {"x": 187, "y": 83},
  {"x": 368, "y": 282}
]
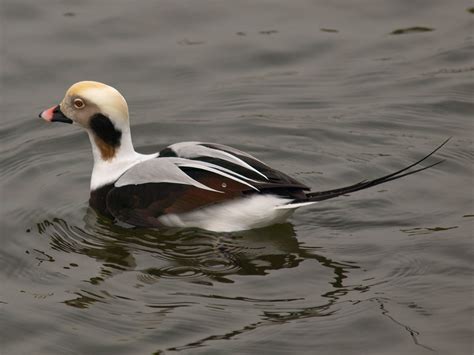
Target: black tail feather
[{"x": 324, "y": 195}]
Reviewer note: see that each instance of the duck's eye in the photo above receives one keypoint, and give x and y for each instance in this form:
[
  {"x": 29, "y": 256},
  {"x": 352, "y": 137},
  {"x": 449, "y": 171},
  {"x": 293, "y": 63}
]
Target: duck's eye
[{"x": 78, "y": 103}]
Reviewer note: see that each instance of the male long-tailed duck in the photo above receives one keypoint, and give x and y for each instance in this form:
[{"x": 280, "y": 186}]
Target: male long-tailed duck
[{"x": 189, "y": 184}]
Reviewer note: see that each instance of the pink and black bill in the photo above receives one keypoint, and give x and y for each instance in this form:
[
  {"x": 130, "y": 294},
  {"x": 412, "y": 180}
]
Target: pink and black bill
[{"x": 54, "y": 114}]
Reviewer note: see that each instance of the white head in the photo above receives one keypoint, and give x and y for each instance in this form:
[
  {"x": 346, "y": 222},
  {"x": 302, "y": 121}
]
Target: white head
[{"x": 101, "y": 110}]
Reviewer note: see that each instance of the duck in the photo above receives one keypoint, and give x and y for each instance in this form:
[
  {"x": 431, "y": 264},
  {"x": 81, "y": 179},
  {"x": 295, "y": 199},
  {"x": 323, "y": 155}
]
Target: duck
[{"x": 192, "y": 184}]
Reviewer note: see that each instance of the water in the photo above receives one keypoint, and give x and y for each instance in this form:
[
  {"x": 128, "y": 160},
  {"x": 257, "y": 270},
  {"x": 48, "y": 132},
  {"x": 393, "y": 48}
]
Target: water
[{"x": 331, "y": 92}]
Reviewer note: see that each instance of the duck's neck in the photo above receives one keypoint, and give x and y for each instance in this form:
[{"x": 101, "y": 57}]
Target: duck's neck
[{"x": 113, "y": 157}]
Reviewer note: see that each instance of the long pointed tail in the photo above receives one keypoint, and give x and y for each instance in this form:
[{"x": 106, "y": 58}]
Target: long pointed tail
[{"x": 324, "y": 195}]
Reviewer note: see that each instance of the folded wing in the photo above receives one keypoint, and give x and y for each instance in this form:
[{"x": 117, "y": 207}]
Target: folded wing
[{"x": 233, "y": 160}]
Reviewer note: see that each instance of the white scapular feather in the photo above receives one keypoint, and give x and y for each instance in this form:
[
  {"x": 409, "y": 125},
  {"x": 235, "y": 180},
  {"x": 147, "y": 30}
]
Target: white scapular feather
[
  {"x": 160, "y": 170},
  {"x": 197, "y": 149}
]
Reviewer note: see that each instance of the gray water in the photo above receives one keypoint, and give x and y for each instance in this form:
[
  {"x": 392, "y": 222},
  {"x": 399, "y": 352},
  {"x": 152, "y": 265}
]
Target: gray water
[{"x": 331, "y": 92}]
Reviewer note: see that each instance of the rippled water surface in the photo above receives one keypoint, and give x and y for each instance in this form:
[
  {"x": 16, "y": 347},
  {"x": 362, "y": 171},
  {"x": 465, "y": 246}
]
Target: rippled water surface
[{"x": 331, "y": 92}]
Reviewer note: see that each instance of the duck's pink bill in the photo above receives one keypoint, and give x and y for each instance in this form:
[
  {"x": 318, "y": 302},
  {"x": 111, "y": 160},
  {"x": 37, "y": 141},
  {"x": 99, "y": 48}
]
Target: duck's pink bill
[{"x": 48, "y": 114}]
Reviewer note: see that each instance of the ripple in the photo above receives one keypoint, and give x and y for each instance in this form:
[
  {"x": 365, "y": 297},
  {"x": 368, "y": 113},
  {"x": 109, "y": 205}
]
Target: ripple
[
  {"x": 186, "y": 255},
  {"x": 240, "y": 298},
  {"x": 410, "y": 30},
  {"x": 169, "y": 272},
  {"x": 380, "y": 272},
  {"x": 422, "y": 231}
]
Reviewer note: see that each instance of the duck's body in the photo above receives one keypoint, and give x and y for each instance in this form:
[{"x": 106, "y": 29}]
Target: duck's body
[
  {"x": 194, "y": 184},
  {"x": 189, "y": 184}
]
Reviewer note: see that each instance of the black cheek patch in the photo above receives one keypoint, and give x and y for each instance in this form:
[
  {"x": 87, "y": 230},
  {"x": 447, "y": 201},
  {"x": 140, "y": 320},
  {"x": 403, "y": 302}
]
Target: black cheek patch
[{"x": 105, "y": 130}]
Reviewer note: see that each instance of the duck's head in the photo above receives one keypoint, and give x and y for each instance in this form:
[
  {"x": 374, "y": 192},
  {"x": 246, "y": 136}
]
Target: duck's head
[{"x": 96, "y": 107}]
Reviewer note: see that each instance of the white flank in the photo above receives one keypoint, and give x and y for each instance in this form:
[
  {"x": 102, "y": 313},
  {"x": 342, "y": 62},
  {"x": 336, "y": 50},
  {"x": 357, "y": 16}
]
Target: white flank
[{"x": 256, "y": 211}]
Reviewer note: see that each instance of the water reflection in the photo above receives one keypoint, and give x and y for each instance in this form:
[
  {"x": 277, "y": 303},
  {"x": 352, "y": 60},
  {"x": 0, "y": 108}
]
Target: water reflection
[
  {"x": 189, "y": 255},
  {"x": 204, "y": 258}
]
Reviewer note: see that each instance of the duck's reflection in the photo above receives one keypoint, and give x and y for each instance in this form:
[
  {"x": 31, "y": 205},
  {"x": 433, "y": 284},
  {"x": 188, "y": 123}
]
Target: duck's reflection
[
  {"x": 196, "y": 256},
  {"x": 201, "y": 257}
]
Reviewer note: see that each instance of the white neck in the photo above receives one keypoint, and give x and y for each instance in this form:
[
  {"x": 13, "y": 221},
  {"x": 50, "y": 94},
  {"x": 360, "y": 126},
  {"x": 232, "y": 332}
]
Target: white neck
[{"x": 108, "y": 171}]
